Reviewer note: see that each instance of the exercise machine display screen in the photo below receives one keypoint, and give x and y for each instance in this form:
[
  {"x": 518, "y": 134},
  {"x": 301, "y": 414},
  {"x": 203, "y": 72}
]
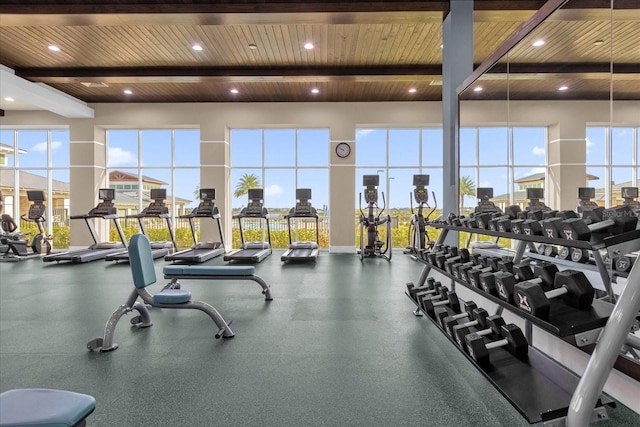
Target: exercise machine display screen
[
  {"x": 629, "y": 192},
  {"x": 420, "y": 180},
  {"x": 535, "y": 193},
  {"x": 421, "y": 195},
  {"x": 207, "y": 194},
  {"x": 35, "y": 195},
  {"x": 158, "y": 194},
  {"x": 303, "y": 194},
  {"x": 256, "y": 194},
  {"x": 586, "y": 193},
  {"x": 370, "y": 180},
  {"x": 106, "y": 194},
  {"x": 484, "y": 193}
]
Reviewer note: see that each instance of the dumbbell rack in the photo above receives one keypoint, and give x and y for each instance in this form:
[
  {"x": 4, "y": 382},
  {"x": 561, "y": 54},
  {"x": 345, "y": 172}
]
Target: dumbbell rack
[{"x": 552, "y": 401}]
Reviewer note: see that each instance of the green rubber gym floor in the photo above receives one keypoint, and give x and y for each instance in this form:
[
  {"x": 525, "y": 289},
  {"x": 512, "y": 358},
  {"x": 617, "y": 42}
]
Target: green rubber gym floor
[{"x": 338, "y": 346}]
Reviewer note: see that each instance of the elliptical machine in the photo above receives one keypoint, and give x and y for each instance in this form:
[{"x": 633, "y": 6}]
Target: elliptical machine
[
  {"x": 370, "y": 222},
  {"x": 418, "y": 236}
]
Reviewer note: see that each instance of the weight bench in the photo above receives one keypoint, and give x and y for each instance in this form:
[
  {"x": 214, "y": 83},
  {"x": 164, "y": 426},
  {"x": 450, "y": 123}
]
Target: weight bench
[
  {"x": 144, "y": 274},
  {"x": 40, "y": 407},
  {"x": 176, "y": 272}
]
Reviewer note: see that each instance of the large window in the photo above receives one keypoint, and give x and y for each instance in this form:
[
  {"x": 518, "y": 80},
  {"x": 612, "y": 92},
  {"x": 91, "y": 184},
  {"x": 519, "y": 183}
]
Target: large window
[
  {"x": 613, "y": 162},
  {"x": 154, "y": 158},
  {"x": 395, "y": 155},
  {"x": 280, "y": 161},
  {"x": 37, "y": 159}
]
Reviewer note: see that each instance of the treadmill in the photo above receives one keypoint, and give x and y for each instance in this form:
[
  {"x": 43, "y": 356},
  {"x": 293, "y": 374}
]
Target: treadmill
[
  {"x": 201, "y": 251},
  {"x": 156, "y": 209},
  {"x": 99, "y": 250},
  {"x": 252, "y": 251},
  {"x": 302, "y": 251}
]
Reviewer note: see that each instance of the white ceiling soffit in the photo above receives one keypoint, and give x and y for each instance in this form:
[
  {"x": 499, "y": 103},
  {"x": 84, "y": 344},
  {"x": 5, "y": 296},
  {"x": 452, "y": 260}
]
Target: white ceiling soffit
[{"x": 38, "y": 96}]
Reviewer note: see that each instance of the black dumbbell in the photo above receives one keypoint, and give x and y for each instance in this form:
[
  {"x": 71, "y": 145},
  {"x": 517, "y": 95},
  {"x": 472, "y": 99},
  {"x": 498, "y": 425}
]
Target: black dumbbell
[
  {"x": 431, "y": 287},
  {"x": 543, "y": 273},
  {"x": 579, "y": 255},
  {"x": 625, "y": 262},
  {"x": 489, "y": 326},
  {"x": 614, "y": 220},
  {"x": 451, "y": 301},
  {"x": 442, "y": 261},
  {"x": 442, "y": 316},
  {"x": 503, "y": 223},
  {"x": 442, "y": 293},
  {"x": 513, "y": 340},
  {"x": 476, "y": 317},
  {"x": 447, "y": 250},
  {"x": 572, "y": 285},
  {"x": 412, "y": 288}
]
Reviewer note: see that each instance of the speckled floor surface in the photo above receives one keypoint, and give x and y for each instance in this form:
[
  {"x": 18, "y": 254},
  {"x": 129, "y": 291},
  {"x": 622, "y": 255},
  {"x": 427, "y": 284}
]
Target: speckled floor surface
[{"x": 338, "y": 346}]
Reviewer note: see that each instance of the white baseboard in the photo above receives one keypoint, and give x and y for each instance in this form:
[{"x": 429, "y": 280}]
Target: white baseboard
[{"x": 342, "y": 249}]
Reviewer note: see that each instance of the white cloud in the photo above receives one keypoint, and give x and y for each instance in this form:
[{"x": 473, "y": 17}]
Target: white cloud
[
  {"x": 273, "y": 190},
  {"x": 484, "y": 184},
  {"x": 590, "y": 143},
  {"x": 538, "y": 151},
  {"x": 40, "y": 147},
  {"x": 120, "y": 157},
  {"x": 364, "y": 132}
]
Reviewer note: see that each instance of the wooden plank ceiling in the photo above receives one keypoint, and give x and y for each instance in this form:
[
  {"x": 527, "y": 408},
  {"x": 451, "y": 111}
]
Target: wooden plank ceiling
[{"x": 363, "y": 51}]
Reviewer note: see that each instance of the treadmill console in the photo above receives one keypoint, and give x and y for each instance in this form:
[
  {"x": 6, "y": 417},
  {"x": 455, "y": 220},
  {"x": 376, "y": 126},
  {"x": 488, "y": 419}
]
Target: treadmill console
[
  {"x": 485, "y": 205},
  {"x": 105, "y": 207},
  {"x": 255, "y": 206},
  {"x": 37, "y": 209},
  {"x": 158, "y": 206},
  {"x": 420, "y": 192},
  {"x": 207, "y": 206},
  {"x": 630, "y": 194},
  {"x": 534, "y": 195},
  {"x": 585, "y": 194},
  {"x": 303, "y": 207}
]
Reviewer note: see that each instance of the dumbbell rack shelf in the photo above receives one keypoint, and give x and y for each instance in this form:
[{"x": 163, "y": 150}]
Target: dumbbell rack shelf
[
  {"x": 606, "y": 323},
  {"x": 539, "y": 388}
]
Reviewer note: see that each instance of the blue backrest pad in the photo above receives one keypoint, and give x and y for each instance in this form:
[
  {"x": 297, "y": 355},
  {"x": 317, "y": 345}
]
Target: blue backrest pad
[{"x": 141, "y": 260}]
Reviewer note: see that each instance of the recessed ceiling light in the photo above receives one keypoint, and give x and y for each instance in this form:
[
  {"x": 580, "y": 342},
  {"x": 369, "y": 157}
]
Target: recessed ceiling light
[
  {"x": 9, "y": 99},
  {"x": 538, "y": 43},
  {"x": 253, "y": 46},
  {"x": 127, "y": 91},
  {"x": 477, "y": 89},
  {"x": 308, "y": 45},
  {"x": 54, "y": 48},
  {"x": 234, "y": 91},
  {"x": 413, "y": 90},
  {"x": 314, "y": 90},
  {"x": 563, "y": 88},
  {"x": 598, "y": 42},
  {"x": 196, "y": 47}
]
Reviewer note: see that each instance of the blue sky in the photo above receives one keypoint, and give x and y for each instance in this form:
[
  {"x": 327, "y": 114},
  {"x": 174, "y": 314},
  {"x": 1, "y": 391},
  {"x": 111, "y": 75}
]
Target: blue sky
[{"x": 275, "y": 165}]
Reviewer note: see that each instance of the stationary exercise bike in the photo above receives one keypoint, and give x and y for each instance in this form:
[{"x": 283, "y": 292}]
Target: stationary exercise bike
[
  {"x": 418, "y": 236},
  {"x": 14, "y": 245},
  {"x": 370, "y": 222}
]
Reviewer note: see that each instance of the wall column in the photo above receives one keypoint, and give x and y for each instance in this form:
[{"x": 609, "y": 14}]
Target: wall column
[
  {"x": 215, "y": 173},
  {"x": 87, "y": 174},
  {"x": 567, "y": 154},
  {"x": 457, "y": 65},
  {"x": 342, "y": 196}
]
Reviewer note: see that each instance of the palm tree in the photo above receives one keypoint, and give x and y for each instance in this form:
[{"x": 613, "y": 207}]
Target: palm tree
[
  {"x": 247, "y": 182},
  {"x": 467, "y": 188}
]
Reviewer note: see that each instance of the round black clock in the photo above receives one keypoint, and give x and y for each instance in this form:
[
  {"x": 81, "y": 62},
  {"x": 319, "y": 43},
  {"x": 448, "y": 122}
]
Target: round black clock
[{"x": 343, "y": 150}]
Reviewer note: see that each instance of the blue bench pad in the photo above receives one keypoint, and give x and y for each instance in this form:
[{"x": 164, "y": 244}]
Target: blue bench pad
[
  {"x": 205, "y": 270},
  {"x": 44, "y": 407},
  {"x": 172, "y": 296}
]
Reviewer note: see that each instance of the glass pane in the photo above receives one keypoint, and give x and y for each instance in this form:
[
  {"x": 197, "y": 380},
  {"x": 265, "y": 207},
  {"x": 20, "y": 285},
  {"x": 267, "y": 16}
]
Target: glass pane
[
  {"x": 529, "y": 146},
  {"x": 432, "y": 147},
  {"x": 498, "y": 179},
  {"x": 371, "y": 147},
  {"x": 621, "y": 146},
  {"x": 467, "y": 190},
  {"x": 596, "y": 179},
  {"x": 33, "y": 148},
  {"x": 435, "y": 189},
  {"x": 620, "y": 177},
  {"x": 246, "y": 147},
  {"x": 124, "y": 181},
  {"x": 404, "y": 147},
  {"x": 524, "y": 178},
  {"x": 33, "y": 179},
  {"x": 493, "y": 146},
  {"x": 122, "y": 148},
  {"x": 313, "y": 147},
  {"x": 318, "y": 181},
  {"x": 185, "y": 192},
  {"x": 400, "y": 194},
  {"x": 60, "y": 148},
  {"x": 60, "y": 199},
  {"x": 468, "y": 147},
  {"x": 241, "y": 181},
  {"x": 279, "y": 147},
  {"x": 186, "y": 147},
  {"x": 156, "y": 147},
  {"x": 6, "y": 148},
  {"x": 280, "y": 197},
  {"x": 596, "y": 140}
]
